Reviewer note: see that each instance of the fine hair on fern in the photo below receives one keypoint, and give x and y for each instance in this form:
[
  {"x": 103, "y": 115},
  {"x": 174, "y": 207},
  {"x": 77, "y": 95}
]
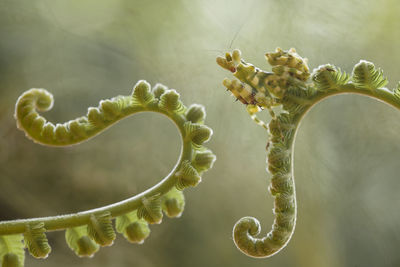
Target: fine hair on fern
[
  {"x": 87, "y": 231},
  {"x": 289, "y": 87}
]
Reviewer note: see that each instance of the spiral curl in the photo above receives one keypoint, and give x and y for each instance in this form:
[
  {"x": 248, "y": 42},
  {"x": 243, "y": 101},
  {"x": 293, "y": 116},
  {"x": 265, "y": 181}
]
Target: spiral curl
[
  {"x": 287, "y": 86},
  {"x": 87, "y": 231}
]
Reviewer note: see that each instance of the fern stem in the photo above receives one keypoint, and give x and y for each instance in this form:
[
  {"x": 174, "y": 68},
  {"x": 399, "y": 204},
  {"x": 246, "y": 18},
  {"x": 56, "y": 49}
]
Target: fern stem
[
  {"x": 116, "y": 209},
  {"x": 382, "y": 95},
  {"x": 247, "y": 228},
  {"x": 287, "y": 86},
  {"x": 160, "y": 100}
]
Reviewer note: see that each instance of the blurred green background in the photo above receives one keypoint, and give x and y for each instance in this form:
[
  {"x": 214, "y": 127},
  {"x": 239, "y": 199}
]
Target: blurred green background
[{"x": 347, "y": 149}]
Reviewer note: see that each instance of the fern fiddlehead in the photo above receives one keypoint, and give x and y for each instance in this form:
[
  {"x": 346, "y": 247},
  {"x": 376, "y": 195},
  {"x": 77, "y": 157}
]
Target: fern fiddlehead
[
  {"x": 288, "y": 86},
  {"x": 87, "y": 231}
]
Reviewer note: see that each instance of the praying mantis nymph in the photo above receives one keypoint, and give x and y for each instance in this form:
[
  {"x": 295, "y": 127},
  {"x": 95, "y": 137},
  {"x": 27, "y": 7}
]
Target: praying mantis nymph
[
  {"x": 258, "y": 89},
  {"x": 288, "y": 86}
]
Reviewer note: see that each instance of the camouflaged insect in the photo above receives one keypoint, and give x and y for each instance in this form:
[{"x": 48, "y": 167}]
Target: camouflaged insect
[
  {"x": 287, "y": 86},
  {"x": 259, "y": 89}
]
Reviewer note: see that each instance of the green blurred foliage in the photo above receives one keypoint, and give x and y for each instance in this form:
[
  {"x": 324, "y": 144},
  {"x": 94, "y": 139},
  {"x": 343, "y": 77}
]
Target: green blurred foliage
[{"x": 347, "y": 150}]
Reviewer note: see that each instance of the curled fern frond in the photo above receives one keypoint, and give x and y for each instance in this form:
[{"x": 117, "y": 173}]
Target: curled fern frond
[
  {"x": 196, "y": 113},
  {"x": 96, "y": 118},
  {"x": 187, "y": 176},
  {"x": 328, "y": 77},
  {"x": 279, "y": 159},
  {"x": 173, "y": 203},
  {"x": 203, "y": 160},
  {"x": 287, "y": 86},
  {"x": 89, "y": 229},
  {"x": 197, "y": 133},
  {"x": 85, "y": 230},
  {"x": 100, "y": 229},
  {"x": 295, "y": 100},
  {"x": 111, "y": 109},
  {"x": 158, "y": 90},
  {"x": 12, "y": 252},
  {"x": 141, "y": 93},
  {"x": 366, "y": 76},
  {"x": 282, "y": 129},
  {"x": 169, "y": 101},
  {"x": 78, "y": 240},
  {"x": 135, "y": 230},
  {"x": 244, "y": 233},
  {"x": 281, "y": 182},
  {"x": 36, "y": 240},
  {"x": 151, "y": 210}
]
